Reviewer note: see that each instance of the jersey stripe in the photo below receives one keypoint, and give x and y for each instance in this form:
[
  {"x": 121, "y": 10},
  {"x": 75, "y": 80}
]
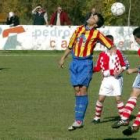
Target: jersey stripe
[
  {"x": 94, "y": 36},
  {"x": 77, "y": 46},
  {"x": 87, "y": 45},
  {"x": 74, "y": 37},
  {"x": 105, "y": 41},
  {"x": 83, "y": 41}
]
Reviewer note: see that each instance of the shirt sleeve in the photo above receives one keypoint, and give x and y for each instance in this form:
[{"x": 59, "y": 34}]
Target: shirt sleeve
[
  {"x": 73, "y": 39},
  {"x": 123, "y": 60},
  {"x": 46, "y": 17},
  {"x": 97, "y": 67},
  {"x": 105, "y": 41}
]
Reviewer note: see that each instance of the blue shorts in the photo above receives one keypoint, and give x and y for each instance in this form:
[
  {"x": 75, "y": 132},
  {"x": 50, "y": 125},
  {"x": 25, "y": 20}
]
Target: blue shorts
[
  {"x": 136, "y": 83},
  {"x": 81, "y": 72}
]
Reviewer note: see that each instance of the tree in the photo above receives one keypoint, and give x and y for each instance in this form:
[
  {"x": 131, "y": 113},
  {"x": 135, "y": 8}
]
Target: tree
[{"x": 76, "y": 9}]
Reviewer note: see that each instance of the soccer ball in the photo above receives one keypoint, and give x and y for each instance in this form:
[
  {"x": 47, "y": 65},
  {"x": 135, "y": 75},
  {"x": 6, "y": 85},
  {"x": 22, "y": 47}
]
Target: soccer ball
[{"x": 117, "y": 9}]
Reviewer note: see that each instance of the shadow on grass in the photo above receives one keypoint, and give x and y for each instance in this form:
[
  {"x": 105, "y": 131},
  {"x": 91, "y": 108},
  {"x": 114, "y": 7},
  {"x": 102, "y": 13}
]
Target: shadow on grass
[
  {"x": 4, "y": 69},
  {"x": 115, "y": 118},
  {"x": 120, "y": 139}
]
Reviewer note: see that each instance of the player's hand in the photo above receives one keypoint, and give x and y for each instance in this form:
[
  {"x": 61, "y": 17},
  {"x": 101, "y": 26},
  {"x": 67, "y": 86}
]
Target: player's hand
[
  {"x": 38, "y": 7},
  {"x": 129, "y": 71},
  {"x": 61, "y": 63},
  {"x": 117, "y": 73}
]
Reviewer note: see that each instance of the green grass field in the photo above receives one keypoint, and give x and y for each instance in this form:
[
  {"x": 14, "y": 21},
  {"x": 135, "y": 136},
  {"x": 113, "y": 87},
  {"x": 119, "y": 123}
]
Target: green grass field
[{"x": 37, "y": 100}]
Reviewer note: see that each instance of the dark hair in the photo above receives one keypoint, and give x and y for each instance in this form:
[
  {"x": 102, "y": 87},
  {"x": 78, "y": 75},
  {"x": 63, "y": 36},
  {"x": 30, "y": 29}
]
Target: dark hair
[
  {"x": 136, "y": 32},
  {"x": 39, "y": 5},
  {"x": 100, "y": 20},
  {"x": 110, "y": 37}
]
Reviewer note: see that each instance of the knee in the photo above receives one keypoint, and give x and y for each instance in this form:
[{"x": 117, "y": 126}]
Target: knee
[
  {"x": 118, "y": 99},
  {"x": 101, "y": 100},
  {"x": 81, "y": 91}
]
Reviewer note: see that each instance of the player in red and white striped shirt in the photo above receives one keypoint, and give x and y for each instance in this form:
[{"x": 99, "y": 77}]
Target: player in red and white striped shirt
[
  {"x": 112, "y": 64},
  {"x": 131, "y": 103}
]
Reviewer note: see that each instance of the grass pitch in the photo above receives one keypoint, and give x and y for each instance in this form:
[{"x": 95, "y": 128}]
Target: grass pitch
[{"x": 37, "y": 100}]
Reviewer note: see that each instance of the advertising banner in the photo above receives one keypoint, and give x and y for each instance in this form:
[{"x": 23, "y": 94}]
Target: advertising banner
[{"x": 31, "y": 37}]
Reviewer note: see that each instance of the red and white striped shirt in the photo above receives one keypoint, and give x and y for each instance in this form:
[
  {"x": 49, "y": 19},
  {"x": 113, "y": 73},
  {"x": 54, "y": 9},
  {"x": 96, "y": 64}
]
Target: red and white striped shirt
[{"x": 110, "y": 63}]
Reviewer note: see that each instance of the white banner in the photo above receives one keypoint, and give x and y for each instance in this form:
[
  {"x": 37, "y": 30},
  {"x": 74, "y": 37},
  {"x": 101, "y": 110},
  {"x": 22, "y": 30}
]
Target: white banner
[{"x": 29, "y": 37}]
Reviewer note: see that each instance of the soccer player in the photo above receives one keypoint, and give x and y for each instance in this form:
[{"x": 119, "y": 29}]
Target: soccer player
[
  {"x": 131, "y": 103},
  {"x": 112, "y": 64},
  {"x": 81, "y": 47}
]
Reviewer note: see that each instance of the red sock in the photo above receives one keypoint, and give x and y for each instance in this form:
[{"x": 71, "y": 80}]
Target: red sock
[
  {"x": 130, "y": 105},
  {"x": 98, "y": 110},
  {"x": 120, "y": 107},
  {"x": 137, "y": 120}
]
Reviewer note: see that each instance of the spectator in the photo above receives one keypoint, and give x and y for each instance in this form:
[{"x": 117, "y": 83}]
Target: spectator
[
  {"x": 93, "y": 11},
  {"x": 12, "y": 19},
  {"x": 59, "y": 17},
  {"x": 40, "y": 15}
]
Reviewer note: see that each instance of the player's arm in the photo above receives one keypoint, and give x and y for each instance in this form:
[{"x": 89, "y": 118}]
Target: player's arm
[
  {"x": 65, "y": 55},
  {"x": 133, "y": 70},
  {"x": 35, "y": 9},
  {"x": 97, "y": 67},
  {"x": 123, "y": 62},
  {"x": 46, "y": 18},
  {"x": 105, "y": 41}
]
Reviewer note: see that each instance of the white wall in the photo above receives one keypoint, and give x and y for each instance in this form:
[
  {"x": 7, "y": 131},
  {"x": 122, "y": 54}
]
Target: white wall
[{"x": 29, "y": 37}]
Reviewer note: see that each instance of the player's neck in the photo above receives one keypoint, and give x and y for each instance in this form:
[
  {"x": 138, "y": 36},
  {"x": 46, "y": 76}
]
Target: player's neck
[{"x": 90, "y": 26}]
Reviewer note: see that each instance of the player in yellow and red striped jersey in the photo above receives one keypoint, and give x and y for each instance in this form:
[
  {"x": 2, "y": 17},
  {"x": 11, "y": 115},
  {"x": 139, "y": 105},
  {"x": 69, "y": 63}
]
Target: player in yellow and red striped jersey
[{"x": 81, "y": 45}]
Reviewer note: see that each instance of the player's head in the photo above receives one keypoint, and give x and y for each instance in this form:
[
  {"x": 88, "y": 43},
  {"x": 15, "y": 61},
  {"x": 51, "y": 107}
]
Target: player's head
[
  {"x": 11, "y": 14},
  {"x": 96, "y": 20},
  {"x": 110, "y": 37},
  {"x": 136, "y": 34},
  {"x": 93, "y": 10},
  {"x": 100, "y": 21}
]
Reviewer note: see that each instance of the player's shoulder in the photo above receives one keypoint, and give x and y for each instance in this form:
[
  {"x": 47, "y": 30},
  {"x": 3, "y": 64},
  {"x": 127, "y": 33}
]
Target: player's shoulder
[
  {"x": 138, "y": 52},
  {"x": 102, "y": 53},
  {"x": 81, "y": 26},
  {"x": 119, "y": 51}
]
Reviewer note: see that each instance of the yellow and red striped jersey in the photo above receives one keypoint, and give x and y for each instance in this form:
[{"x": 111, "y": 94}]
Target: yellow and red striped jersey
[{"x": 83, "y": 41}]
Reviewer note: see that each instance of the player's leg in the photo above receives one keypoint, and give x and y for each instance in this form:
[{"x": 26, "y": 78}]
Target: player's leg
[
  {"x": 98, "y": 109},
  {"x": 130, "y": 105},
  {"x": 81, "y": 103},
  {"x": 81, "y": 77},
  {"x": 105, "y": 90},
  {"x": 120, "y": 105},
  {"x": 85, "y": 71},
  {"x": 117, "y": 86},
  {"x": 135, "y": 127}
]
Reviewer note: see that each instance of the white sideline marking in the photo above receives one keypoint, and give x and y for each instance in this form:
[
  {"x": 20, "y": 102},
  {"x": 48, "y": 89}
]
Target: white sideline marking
[
  {"x": 48, "y": 55},
  {"x": 27, "y": 55}
]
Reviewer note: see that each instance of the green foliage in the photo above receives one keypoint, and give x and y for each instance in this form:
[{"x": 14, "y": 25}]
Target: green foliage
[
  {"x": 106, "y": 11},
  {"x": 76, "y": 9}
]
